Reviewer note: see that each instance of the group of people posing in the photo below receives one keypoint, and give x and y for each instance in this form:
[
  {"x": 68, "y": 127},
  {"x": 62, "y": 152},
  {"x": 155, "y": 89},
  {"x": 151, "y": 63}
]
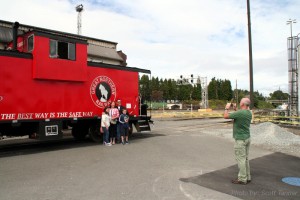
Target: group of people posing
[{"x": 115, "y": 124}]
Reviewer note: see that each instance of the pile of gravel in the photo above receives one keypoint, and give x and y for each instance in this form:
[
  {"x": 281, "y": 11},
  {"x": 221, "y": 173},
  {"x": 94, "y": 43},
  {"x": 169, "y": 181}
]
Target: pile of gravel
[
  {"x": 275, "y": 138},
  {"x": 266, "y": 135}
]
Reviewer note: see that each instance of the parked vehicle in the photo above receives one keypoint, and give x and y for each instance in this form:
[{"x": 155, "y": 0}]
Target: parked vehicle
[{"x": 51, "y": 80}]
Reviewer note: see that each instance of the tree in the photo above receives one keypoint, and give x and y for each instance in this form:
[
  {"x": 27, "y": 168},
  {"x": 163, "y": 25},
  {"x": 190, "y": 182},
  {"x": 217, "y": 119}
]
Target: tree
[
  {"x": 157, "y": 95},
  {"x": 165, "y": 89},
  {"x": 212, "y": 89},
  {"x": 172, "y": 87},
  {"x": 225, "y": 91},
  {"x": 257, "y": 97},
  {"x": 219, "y": 89},
  {"x": 239, "y": 94},
  {"x": 154, "y": 84},
  {"x": 145, "y": 88},
  {"x": 196, "y": 92},
  {"x": 184, "y": 92},
  {"x": 279, "y": 95}
]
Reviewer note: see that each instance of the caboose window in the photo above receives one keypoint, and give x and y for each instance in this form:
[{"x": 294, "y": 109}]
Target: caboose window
[
  {"x": 71, "y": 54},
  {"x": 53, "y": 49},
  {"x": 62, "y": 50},
  {"x": 30, "y": 43}
]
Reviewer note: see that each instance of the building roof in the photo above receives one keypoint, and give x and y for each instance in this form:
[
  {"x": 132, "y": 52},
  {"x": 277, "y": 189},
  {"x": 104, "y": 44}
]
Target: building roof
[
  {"x": 99, "y": 51},
  {"x": 96, "y": 47}
]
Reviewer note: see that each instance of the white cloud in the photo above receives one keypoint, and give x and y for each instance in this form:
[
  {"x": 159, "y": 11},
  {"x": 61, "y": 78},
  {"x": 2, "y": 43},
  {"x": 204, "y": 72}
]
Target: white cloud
[{"x": 173, "y": 37}]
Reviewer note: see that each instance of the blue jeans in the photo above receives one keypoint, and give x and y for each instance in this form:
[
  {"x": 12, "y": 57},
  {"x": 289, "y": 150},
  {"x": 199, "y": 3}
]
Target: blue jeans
[{"x": 105, "y": 135}]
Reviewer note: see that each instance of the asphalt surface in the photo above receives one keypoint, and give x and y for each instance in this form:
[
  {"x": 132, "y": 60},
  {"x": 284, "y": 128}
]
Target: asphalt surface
[
  {"x": 174, "y": 161},
  {"x": 266, "y": 184}
]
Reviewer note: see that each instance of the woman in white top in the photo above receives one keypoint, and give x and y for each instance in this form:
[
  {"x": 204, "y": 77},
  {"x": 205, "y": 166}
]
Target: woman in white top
[{"x": 105, "y": 123}]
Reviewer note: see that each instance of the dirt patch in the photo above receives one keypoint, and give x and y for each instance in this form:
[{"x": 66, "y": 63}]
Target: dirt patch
[{"x": 296, "y": 131}]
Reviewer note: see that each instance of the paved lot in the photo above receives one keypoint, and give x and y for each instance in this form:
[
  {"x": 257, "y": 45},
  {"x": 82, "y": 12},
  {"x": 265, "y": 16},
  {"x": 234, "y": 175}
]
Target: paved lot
[{"x": 175, "y": 161}]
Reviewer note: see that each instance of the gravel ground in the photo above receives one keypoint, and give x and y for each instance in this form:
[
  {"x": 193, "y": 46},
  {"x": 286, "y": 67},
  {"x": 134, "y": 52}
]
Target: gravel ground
[{"x": 268, "y": 136}]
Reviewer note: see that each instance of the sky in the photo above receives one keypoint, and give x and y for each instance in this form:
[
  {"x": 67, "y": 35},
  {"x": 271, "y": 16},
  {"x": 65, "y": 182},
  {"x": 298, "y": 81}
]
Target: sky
[{"x": 174, "y": 37}]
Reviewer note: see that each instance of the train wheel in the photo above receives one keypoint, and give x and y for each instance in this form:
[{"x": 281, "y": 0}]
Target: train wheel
[
  {"x": 79, "y": 133},
  {"x": 94, "y": 133}
]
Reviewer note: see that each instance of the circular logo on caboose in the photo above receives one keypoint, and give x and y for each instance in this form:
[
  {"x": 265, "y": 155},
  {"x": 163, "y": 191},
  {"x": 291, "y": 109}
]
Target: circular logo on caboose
[{"x": 103, "y": 91}]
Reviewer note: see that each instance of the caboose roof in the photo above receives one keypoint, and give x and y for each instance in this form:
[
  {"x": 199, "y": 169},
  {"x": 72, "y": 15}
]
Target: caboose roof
[
  {"x": 6, "y": 33},
  {"x": 96, "y": 47}
]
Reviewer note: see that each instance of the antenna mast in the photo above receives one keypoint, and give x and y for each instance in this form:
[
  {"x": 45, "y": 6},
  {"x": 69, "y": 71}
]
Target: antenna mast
[{"x": 79, "y": 9}]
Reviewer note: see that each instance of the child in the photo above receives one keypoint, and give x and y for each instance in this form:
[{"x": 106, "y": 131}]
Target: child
[
  {"x": 105, "y": 122},
  {"x": 124, "y": 126}
]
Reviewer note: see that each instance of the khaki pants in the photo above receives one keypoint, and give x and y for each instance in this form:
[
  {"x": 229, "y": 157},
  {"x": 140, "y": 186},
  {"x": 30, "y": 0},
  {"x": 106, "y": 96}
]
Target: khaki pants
[{"x": 241, "y": 150}]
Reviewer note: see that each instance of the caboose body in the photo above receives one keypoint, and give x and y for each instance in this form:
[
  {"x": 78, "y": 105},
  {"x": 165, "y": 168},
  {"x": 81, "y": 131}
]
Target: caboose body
[{"x": 51, "y": 81}]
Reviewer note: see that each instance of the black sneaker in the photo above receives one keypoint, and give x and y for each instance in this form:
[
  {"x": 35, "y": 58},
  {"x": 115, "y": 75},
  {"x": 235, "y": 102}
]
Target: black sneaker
[{"x": 127, "y": 142}]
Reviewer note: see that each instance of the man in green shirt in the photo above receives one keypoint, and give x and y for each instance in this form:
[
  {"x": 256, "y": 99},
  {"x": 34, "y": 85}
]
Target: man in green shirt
[{"x": 241, "y": 133}]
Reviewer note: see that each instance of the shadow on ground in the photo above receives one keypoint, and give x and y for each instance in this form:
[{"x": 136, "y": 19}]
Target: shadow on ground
[
  {"x": 144, "y": 135},
  {"x": 30, "y": 146},
  {"x": 267, "y": 173}
]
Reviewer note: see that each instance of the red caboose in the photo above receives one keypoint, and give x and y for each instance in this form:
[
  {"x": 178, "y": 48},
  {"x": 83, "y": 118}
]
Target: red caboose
[{"x": 52, "y": 80}]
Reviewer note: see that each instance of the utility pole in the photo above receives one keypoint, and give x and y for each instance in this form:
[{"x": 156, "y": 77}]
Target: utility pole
[
  {"x": 79, "y": 9},
  {"x": 250, "y": 55},
  {"x": 236, "y": 93}
]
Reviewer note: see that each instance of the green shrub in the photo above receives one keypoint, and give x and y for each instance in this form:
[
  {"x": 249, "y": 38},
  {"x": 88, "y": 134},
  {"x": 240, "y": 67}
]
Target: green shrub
[
  {"x": 217, "y": 104},
  {"x": 264, "y": 105}
]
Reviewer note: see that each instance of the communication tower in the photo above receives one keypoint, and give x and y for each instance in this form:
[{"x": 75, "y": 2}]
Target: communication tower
[
  {"x": 204, "y": 101},
  {"x": 199, "y": 80},
  {"x": 292, "y": 43}
]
